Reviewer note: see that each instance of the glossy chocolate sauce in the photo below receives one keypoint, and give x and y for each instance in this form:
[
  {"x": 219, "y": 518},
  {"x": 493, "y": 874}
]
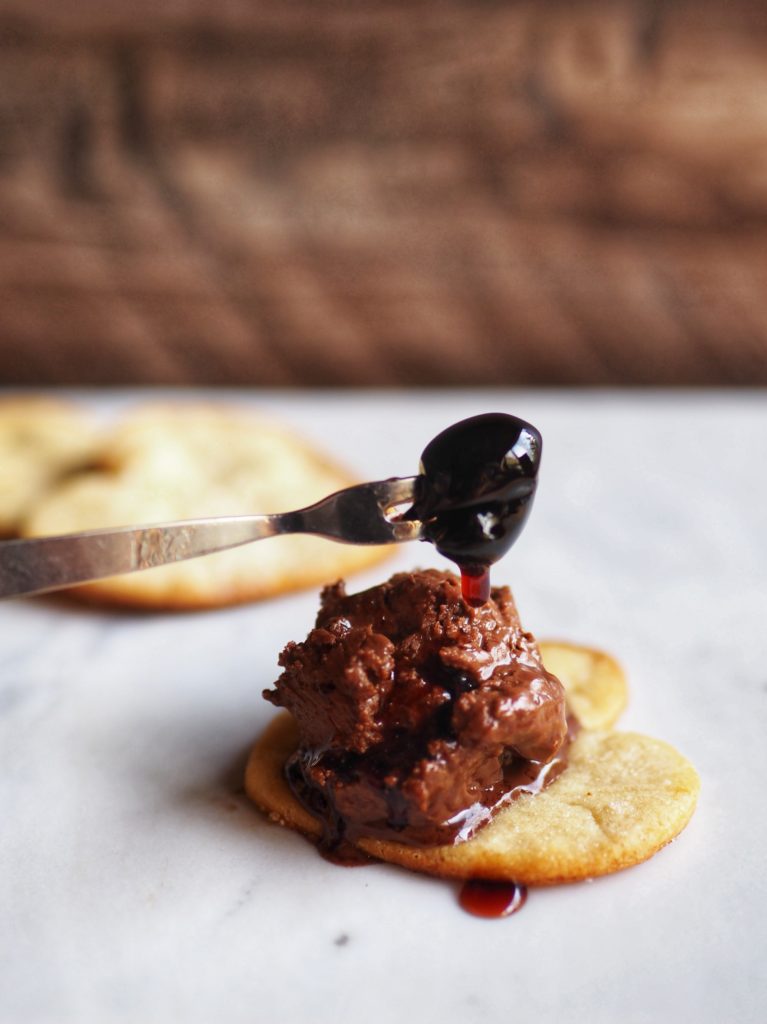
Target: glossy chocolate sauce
[
  {"x": 398, "y": 822},
  {"x": 475, "y": 491}
]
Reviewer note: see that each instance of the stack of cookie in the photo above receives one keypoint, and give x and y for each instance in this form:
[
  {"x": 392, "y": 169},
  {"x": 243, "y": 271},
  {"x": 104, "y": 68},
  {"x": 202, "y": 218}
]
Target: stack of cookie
[{"x": 60, "y": 472}]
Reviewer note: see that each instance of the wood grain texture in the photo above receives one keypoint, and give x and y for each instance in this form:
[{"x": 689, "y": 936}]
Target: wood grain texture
[{"x": 383, "y": 193}]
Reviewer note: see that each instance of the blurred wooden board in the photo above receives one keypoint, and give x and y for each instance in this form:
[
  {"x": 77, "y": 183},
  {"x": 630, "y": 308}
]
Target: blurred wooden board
[{"x": 383, "y": 193}]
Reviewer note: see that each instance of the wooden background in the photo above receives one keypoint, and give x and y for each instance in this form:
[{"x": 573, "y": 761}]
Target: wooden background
[{"x": 399, "y": 192}]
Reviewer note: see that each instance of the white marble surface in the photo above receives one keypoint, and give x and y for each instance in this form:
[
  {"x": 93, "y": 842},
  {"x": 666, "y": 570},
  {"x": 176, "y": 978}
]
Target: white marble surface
[{"x": 138, "y": 886}]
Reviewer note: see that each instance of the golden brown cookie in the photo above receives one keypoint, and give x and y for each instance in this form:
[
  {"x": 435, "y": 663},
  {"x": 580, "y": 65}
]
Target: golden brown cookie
[
  {"x": 595, "y": 683},
  {"x": 622, "y": 797},
  {"x": 41, "y": 439},
  {"x": 181, "y": 462}
]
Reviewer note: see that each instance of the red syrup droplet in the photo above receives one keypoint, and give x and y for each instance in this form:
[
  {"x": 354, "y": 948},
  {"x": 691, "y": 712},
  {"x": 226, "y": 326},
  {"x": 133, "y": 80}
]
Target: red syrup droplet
[
  {"x": 491, "y": 899},
  {"x": 475, "y": 586}
]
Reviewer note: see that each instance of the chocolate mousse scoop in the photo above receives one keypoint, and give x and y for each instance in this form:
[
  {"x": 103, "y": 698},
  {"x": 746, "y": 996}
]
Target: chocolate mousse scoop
[{"x": 418, "y": 715}]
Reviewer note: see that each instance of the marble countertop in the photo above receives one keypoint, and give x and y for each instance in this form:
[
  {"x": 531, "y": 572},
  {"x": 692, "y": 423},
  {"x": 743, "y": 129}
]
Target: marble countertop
[{"x": 138, "y": 885}]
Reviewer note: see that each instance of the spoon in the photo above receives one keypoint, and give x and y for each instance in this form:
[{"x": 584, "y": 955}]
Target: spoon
[
  {"x": 364, "y": 514},
  {"x": 471, "y": 500}
]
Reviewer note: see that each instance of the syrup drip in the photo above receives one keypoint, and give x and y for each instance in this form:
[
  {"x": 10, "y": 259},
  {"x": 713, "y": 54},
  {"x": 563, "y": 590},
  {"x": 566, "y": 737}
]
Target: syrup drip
[
  {"x": 475, "y": 585},
  {"x": 491, "y": 899}
]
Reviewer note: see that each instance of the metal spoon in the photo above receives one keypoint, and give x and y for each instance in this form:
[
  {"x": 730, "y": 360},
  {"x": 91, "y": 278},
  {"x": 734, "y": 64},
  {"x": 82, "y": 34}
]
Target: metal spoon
[{"x": 366, "y": 514}]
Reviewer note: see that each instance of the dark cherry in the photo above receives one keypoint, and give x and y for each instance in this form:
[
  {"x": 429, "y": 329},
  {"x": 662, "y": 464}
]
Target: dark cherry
[
  {"x": 491, "y": 899},
  {"x": 475, "y": 491}
]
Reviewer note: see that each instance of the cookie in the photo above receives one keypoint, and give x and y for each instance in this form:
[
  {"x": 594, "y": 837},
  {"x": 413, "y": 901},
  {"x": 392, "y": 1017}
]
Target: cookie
[
  {"x": 622, "y": 797},
  {"x": 163, "y": 463},
  {"x": 596, "y": 687},
  {"x": 41, "y": 439}
]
